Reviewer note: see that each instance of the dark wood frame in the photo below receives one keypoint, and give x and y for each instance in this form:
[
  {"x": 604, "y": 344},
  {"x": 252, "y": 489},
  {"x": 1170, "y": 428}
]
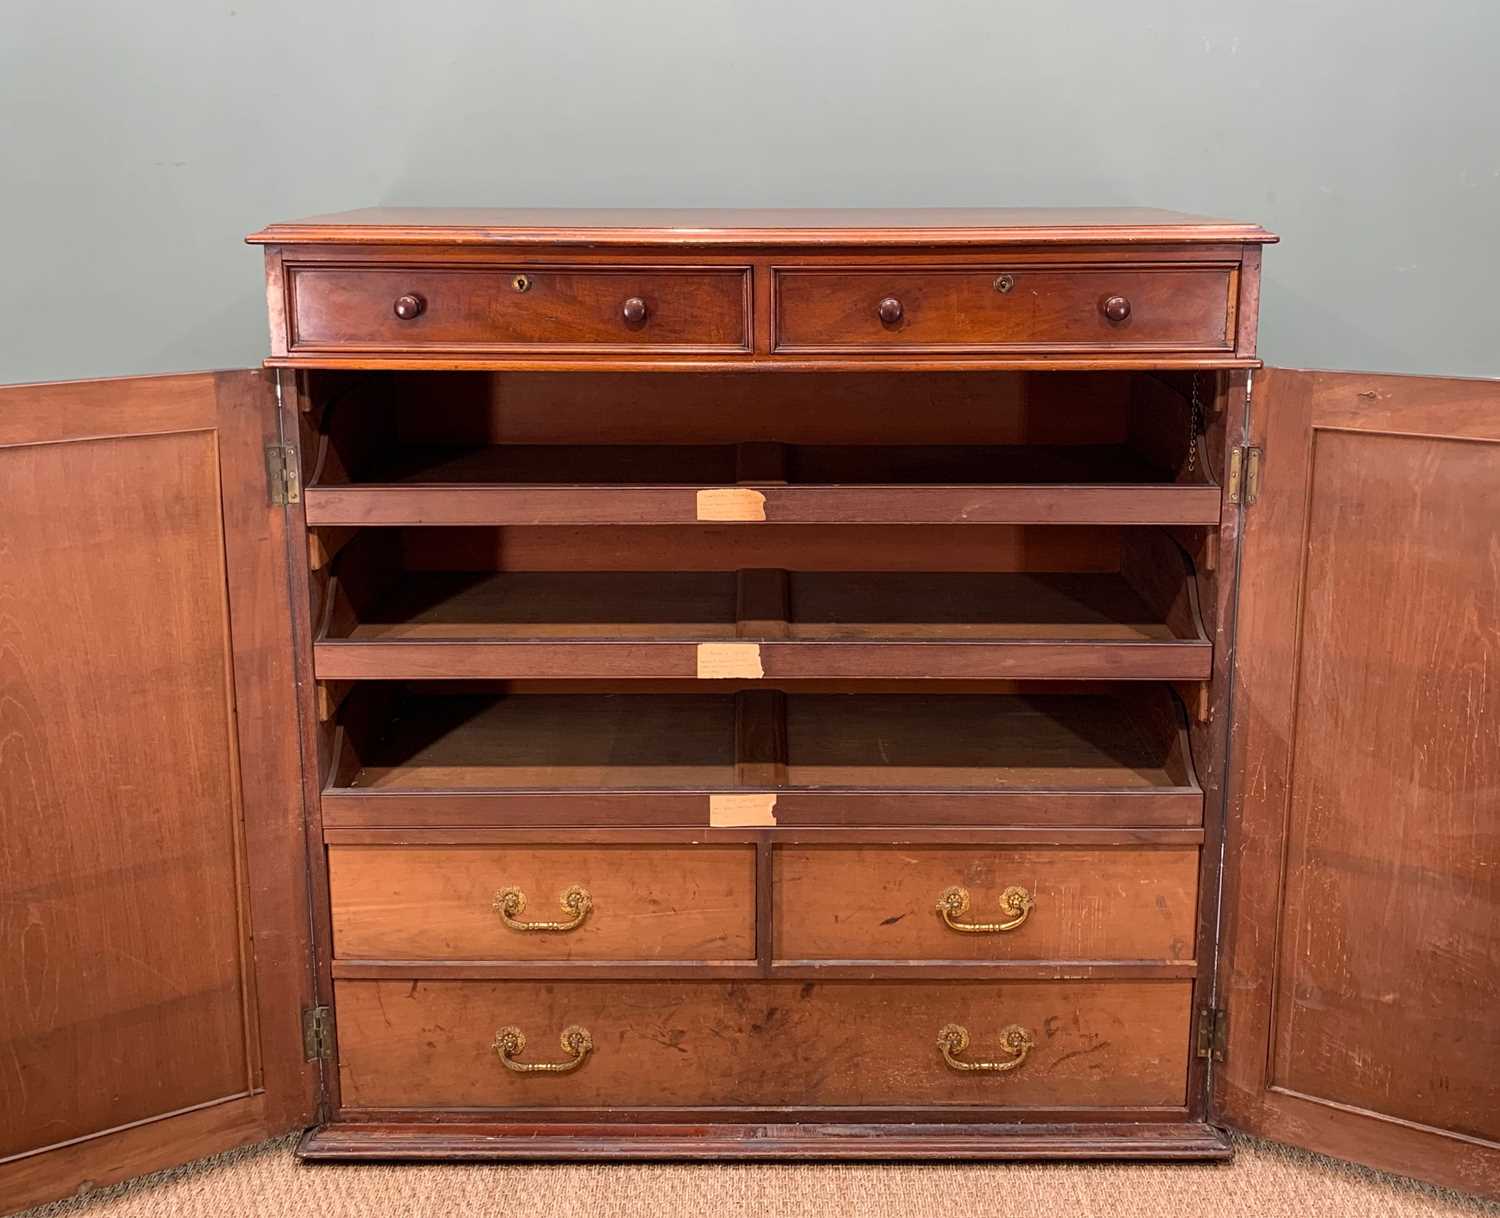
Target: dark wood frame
[{"x": 349, "y": 815}]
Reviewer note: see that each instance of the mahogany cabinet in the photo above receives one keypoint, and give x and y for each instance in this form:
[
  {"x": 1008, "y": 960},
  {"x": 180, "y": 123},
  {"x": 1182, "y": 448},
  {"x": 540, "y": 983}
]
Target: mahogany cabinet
[{"x": 751, "y": 685}]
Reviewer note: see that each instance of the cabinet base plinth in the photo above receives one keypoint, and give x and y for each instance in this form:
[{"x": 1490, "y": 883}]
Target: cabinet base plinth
[{"x": 602, "y": 1142}]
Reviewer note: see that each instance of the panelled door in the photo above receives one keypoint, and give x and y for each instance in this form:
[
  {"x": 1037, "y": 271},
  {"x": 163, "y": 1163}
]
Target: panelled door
[
  {"x": 153, "y": 883},
  {"x": 1362, "y": 866}
]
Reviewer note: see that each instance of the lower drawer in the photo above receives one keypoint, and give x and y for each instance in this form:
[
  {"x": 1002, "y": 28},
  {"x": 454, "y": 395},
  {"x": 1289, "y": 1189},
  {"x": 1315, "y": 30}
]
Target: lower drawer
[
  {"x": 543, "y": 902},
  {"x": 431, "y": 1044},
  {"x": 985, "y": 903}
]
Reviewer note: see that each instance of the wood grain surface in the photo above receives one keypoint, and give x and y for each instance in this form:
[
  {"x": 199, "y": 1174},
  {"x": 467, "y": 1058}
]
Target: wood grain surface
[
  {"x": 1364, "y": 847},
  {"x": 481, "y": 310},
  {"x": 154, "y": 920},
  {"x": 428, "y": 1044},
  {"x": 737, "y": 226},
  {"x": 120, "y": 835},
  {"x": 880, "y": 903},
  {"x": 1044, "y": 310},
  {"x": 649, "y": 903}
]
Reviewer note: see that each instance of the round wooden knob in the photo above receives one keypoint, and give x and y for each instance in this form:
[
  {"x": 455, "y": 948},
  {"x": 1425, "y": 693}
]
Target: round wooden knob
[
  {"x": 409, "y": 306},
  {"x": 633, "y": 311},
  {"x": 890, "y": 310},
  {"x": 1116, "y": 308}
]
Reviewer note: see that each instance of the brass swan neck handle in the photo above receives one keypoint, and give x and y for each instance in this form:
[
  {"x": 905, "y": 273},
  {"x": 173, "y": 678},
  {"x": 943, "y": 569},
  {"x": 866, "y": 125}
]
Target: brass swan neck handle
[
  {"x": 1015, "y": 902},
  {"x": 510, "y": 1043},
  {"x": 511, "y": 902},
  {"x": 953, "y": 1039}
]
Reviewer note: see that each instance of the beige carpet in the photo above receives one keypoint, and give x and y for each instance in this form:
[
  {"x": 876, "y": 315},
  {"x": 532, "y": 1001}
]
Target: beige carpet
[{"x": 1264, "y": 1181}]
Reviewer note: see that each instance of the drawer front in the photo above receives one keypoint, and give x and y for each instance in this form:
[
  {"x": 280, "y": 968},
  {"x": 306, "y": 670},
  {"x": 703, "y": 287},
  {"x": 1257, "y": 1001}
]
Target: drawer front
[
  {"x": 945, "y": 309},
  {"x": 449, "y": 902},
  {"x": 882, "y": 903},
  {"x": 431, "y": 1043},
  {"x": 520, "y": 309}
]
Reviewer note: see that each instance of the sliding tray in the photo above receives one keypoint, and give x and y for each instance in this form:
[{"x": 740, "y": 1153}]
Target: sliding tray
[
  {"x": 1112, "y": 756},
  {"x": 747, "y": 483},
  {"x": 384, "y": 621}
]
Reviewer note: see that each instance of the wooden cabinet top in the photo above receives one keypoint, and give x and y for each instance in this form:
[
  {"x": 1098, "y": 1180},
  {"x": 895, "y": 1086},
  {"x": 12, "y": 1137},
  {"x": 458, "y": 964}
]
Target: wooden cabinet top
[{"x": 987, "y": 226}]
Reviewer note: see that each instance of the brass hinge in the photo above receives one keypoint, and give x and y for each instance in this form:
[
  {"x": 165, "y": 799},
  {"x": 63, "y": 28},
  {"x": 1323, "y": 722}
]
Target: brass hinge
[
  {"x": 1213, "y": 1033},
  {"x": 1244, "y": 475},
  {"x": 317, "y": 1034},
  {"x": 283, "y": 485}
]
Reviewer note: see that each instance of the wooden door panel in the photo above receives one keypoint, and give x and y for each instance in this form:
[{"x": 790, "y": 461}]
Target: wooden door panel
[
  {"x": 1391, "y": 922},
  {"x": 1363, "y": 864},
  {"x": 115, "y": 762},
  {"x": 144, "y": 667}
]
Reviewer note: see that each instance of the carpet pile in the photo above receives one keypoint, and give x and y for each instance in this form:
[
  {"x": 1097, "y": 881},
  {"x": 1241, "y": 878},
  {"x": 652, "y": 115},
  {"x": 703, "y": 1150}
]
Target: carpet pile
[{"x": 1264, "y": 1181}]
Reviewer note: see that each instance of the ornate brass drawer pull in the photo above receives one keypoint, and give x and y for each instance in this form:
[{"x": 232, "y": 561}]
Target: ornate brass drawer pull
[
  {"x": 1014, "y": 901},
  {"x": 954, "y": 1039},
  {"x": 510, "y": 1043},
  {"x": 510, "y": 902}
]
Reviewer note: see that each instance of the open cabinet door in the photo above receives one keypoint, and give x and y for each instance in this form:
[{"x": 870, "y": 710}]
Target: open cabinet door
[
  {"x": 1362, "y": 868},
  {"x": 153, "y": 876}
]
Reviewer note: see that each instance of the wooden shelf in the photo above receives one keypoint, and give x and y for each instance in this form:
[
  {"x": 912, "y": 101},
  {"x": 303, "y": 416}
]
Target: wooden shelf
[
  {"x": 759, "y": 623},
  {"x": 802, "y": 484},
  {"x": 1112, "y": 758}
]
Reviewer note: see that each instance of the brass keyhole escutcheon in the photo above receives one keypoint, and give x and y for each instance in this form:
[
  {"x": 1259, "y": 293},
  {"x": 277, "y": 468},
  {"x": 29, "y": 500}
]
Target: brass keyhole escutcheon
[
  {"x": 1004, "y": 283},
  {"x": 521, "y": 283}
]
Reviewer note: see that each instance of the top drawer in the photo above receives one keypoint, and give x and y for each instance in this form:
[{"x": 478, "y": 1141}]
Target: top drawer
[
  {"x": 983, "y": 309},
  {"x": 518, "y": 309}
]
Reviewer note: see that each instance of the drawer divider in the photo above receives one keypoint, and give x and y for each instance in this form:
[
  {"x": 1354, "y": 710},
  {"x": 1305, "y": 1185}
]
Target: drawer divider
[
  {"x": 762, "y": 604},
  {"x": 760, "y": 747},
  {"x": 765, "y": 897}
]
